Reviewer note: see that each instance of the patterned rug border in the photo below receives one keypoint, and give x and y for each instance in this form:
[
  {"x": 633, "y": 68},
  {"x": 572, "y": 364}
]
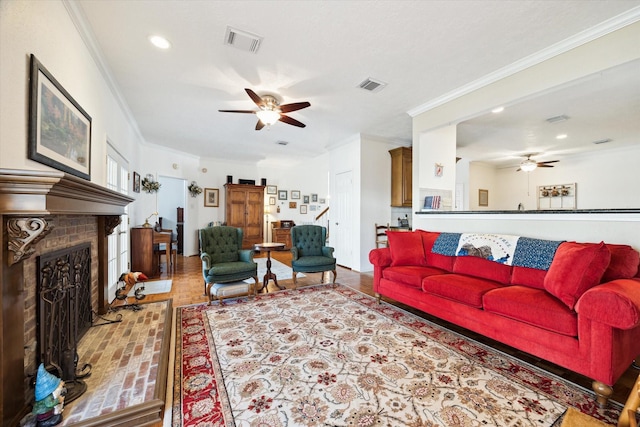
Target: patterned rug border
[{"x": 548, "y": 384}]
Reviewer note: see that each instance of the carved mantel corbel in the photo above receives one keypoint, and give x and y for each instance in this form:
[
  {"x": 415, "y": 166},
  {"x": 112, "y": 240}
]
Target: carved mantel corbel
[
  {"x": 110, "y": 223},
  {"x": 23, "y": 233}
]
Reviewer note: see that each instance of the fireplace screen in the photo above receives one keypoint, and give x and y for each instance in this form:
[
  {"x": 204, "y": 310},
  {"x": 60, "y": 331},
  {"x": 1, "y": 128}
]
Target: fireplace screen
[{"x": 64, "y": 307}]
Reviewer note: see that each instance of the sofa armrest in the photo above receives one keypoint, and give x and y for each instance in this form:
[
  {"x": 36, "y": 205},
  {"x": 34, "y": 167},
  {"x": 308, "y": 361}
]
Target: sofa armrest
[
  {"x": 615, "y": 303},
  {"x": 327, "y": 251},
  {"x": 245, "y": 255},
  {"x": 380, "y": 257}
]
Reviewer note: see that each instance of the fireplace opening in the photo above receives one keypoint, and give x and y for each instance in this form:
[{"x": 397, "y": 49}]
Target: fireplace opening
[{"x": 64, "y": 313}]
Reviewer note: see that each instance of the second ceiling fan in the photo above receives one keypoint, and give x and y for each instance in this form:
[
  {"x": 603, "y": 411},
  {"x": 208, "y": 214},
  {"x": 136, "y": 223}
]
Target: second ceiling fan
[
  {"x": 271, "y": 111},
  {"x": 529, "y": 164}
]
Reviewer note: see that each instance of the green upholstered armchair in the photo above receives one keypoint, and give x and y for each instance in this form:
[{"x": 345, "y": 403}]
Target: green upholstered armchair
[
  {"x": 309, "y": 253},
  {"x": 224, "y": 260}
]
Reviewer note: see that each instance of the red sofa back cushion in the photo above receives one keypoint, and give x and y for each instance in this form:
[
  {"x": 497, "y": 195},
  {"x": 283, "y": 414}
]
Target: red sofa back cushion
[
  {"x": 483, "y": 268},
  {"x": 576, "y": 268},
  {"x": 406, "y": 248},
  {"x": 443, "y": 262},
  {"x": 526, "y": 276},
  {"x": 624, "y": 263}
]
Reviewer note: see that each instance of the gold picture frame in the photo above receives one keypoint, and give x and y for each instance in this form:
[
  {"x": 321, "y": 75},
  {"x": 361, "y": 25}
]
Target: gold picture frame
[{"x": 211, "y": 197}]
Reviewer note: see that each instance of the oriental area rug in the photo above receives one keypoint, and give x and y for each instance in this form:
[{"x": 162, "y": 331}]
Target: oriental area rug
[{"x": 332, "y": 356}]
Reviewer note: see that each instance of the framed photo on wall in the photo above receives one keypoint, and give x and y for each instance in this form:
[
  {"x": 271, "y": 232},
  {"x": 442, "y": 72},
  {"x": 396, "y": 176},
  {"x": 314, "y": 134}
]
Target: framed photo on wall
[
  {"x": 211, "y": 197},
  {"x": 59, "y": 129},
  {"x": 295, "y": 194},
  {"x": 136, "y": 182},
  {"x": 303, "y": 209},
  {"x": 272, "y": 189},
  {"x": 282, "y": 194},
  {"x": 272, "y": 200},
  {"x": 483, "y": 197}
]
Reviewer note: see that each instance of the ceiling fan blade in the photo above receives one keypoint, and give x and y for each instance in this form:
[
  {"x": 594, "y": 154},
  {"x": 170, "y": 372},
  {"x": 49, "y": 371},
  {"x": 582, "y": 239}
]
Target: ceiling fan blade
[
  {"x": 237, "y": 111},
  {"x": 544, "y": 166},
  {"x": 287, "y": 108},
  {"x": 548, "y": 161},
  {"x": 518, "y": 170},
  {"x": 255, "y": 97},
  {"x": 259, "y": 125},
  {"x": 290, "y": 121}
]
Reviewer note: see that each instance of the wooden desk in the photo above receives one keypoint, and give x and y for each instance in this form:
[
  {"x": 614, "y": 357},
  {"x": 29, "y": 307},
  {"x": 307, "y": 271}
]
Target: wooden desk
[
  {"x": 164, "y": 237},
  {"x": 143, "y": 240}
]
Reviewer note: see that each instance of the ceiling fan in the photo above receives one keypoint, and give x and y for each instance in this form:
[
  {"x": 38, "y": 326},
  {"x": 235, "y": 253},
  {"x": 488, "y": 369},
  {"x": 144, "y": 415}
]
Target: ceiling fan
[
  {"x": 271, "y": 111},
  {"x": 529, "y": 164}
]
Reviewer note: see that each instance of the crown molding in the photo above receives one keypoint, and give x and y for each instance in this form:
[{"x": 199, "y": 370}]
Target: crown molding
[
  {"x": 79, "y": 19},
  {"x": 583, "y": 37}
]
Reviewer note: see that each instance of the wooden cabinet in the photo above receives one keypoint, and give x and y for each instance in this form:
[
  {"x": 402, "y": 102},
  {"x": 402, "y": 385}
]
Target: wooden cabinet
[
  {"x": 401, "y": 176},
  {"x": 282, "y": 235},
  {"x": 245, "y": 209}
]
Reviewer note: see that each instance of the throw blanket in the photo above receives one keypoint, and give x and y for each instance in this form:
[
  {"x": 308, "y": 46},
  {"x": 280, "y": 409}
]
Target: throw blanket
[{"x": 505, "y": 249}]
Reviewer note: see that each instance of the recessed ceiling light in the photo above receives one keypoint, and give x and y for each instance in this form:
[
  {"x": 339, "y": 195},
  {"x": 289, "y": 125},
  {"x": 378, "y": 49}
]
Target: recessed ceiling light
[
  {"x": 561, "y": 136},
  {"x": 497, "y": 110},
  {"x": 160, "y": 42}
]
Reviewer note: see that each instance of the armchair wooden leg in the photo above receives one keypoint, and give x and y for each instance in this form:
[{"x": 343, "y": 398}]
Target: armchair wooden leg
[
  {"x": 295, "y": 280},
  {"x": 335, "y": 274},
  {"x": 208, "y": 291},
  {"x": 253, "y": 290},
  {"x": 378, "y": 297}
]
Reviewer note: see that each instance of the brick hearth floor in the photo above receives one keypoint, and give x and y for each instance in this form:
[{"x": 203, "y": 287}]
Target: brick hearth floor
[{"x": 124, "y": 358}]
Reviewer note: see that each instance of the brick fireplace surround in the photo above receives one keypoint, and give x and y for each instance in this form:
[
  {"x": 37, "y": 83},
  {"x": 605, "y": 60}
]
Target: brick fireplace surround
[{"x": 41, "y": 212}]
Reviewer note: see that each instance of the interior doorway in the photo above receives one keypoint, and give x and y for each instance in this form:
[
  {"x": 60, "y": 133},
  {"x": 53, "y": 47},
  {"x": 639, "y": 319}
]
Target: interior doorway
[
  {"x": 342, "y": 219},
  {"x": 173, "y": 195}
]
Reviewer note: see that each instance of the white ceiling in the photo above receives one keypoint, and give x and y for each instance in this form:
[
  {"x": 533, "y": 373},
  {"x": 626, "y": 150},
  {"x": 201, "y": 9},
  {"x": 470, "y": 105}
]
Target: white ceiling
[{"x": 316, "y": 51}]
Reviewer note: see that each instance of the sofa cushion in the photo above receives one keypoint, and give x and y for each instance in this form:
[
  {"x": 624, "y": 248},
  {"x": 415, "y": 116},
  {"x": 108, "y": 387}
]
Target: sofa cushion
[
  {"x": 624, "y": 263},
  {"x": 406, "y": 248},
  {"x": 410, "y": 275},
  {"x": 435, "y": 260},
  {"x": 533, "y": 306},
  {"x": 526, "y": 276},
  {"x": 576, "y": 267},
  {"x": 483, "y": 268},
  {"x": 458, "y": 287}
]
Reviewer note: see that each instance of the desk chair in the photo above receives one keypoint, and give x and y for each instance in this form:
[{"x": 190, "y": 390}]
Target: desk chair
[{"x": 381, "y": 235}]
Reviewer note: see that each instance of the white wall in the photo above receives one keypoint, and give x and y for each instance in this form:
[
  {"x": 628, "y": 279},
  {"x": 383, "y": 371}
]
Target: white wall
[
  {"x": 375, "y": 195},
  {"x": 615, "y": 48}
]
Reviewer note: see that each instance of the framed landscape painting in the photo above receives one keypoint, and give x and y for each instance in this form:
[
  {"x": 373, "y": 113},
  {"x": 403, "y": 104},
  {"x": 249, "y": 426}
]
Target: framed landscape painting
[{"x": 59, "y": 129}]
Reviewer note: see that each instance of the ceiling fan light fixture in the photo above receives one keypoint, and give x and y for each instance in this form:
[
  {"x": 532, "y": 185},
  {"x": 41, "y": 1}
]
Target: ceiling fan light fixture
[
  {"x": 268, "y": 117},
  {"x": 528, "y": 165}
]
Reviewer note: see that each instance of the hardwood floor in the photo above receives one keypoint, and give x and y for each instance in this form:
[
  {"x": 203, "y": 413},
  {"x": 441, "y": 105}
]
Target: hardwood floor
[{"x": 188, "y": 288}]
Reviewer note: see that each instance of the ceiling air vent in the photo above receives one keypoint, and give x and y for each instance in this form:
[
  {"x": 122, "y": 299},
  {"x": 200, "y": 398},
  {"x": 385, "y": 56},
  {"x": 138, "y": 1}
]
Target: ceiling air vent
[
  {"x": 242, "y": 40},
  {"x": 558, "y": 119},
  {"x": 372, "y": 85}
]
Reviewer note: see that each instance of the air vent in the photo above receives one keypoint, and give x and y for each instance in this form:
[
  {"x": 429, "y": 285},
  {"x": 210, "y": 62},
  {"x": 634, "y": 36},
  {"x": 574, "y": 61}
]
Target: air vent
[
  {"x": 242, "y": 40},
  {"x": 602, "y": 141},
  {"x": 372, "y": 85},
  {"x": 282, "y": 142},
  {"x": 558, "y": 119}
]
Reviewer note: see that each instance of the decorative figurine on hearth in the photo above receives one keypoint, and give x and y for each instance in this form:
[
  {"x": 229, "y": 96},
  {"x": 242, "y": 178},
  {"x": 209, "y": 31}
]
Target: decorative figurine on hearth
[{"x": 49, "y": 396}]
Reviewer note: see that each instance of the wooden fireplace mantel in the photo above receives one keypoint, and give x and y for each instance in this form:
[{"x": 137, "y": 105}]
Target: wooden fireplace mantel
[
  {"x": 28, "y": 201},
  {"x": 37, "y": 193}
]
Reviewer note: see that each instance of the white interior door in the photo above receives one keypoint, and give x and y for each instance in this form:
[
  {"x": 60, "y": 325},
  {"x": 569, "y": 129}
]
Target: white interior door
[
  {"x": 342, "y": 219},
  {"x": 118, "y": 241}
]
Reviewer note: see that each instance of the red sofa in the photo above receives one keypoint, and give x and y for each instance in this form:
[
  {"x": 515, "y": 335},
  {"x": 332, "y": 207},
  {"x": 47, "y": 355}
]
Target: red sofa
[{"x": 582, "y": 312}]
